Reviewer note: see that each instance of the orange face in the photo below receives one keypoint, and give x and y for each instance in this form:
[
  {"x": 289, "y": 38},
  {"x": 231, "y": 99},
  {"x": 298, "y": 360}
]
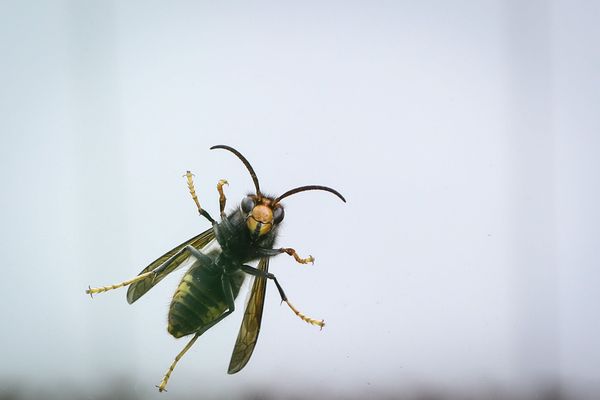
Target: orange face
[
  {"x": 262, "y": 214},
  {"x": 260, "y": 219}
]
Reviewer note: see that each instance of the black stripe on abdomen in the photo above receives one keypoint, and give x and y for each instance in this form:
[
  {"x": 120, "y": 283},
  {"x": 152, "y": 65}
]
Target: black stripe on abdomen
[{"x": 197, "y": 302}]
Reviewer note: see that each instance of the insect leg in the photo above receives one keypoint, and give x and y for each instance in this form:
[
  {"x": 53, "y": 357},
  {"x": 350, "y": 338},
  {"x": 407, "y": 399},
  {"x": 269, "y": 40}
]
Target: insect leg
[
  {"x": 228, "y": 291},
  {"x": 273, "y": 252},
  {"x": 222, "y": 198},
  {"x": 91, "y": 291},
  {"x": 191, "y": 249},
  {"x": 256, "y": 272},
  {"x": 163, "y": 383},
  {"x": 201, "y": 211}
]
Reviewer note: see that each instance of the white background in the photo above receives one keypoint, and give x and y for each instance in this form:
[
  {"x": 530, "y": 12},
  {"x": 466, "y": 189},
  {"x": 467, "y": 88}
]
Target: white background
[{"x": 464, "y": 135}]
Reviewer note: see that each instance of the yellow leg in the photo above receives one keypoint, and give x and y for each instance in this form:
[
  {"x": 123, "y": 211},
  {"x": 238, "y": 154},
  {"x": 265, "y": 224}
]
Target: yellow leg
[
  {"x": 319, "y": 323},
  {"x": 163, "y": 383},
  {"x": 222, "y": 198},
  {"x": 102, "y": 289},
  {"x": 292, "y": 252},
  {"x": 190, "y": 183},
  {"x": 201, "y": 211}
]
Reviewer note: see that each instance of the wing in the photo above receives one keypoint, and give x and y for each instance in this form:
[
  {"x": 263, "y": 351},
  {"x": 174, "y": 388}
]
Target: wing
[
  {"x": 248, "y": 335},
  {"x": 138, "y": 289}
]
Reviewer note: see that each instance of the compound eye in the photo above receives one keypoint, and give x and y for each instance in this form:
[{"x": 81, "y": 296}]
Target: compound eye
[
  {"x": 278, "y": 215},
  {"x": 247, "y": 204}
]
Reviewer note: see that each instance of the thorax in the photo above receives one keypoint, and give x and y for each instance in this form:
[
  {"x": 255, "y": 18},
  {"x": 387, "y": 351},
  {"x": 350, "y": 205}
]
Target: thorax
[{"x": 237, "y": 246}]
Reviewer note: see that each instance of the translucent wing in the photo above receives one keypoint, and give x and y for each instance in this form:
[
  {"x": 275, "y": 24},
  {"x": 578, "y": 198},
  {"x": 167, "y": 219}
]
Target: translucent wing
[
  {"x": 248, "y": 335},
  {"x": 138, "y": 289}
]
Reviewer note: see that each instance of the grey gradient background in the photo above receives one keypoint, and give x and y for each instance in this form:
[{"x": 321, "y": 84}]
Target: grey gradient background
[{"x": 465, "y": 136}]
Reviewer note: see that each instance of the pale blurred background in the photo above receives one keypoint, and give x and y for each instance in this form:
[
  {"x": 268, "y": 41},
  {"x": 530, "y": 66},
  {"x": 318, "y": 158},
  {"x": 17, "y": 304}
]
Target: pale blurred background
[{"x": 465, "y": 136}]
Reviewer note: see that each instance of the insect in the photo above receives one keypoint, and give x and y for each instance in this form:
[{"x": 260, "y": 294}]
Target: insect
[{"x": 220, "y": 257}]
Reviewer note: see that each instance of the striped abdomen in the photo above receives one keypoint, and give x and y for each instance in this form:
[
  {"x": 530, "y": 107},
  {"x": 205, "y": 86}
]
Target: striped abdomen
[{"x": 199, "y": 300}]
